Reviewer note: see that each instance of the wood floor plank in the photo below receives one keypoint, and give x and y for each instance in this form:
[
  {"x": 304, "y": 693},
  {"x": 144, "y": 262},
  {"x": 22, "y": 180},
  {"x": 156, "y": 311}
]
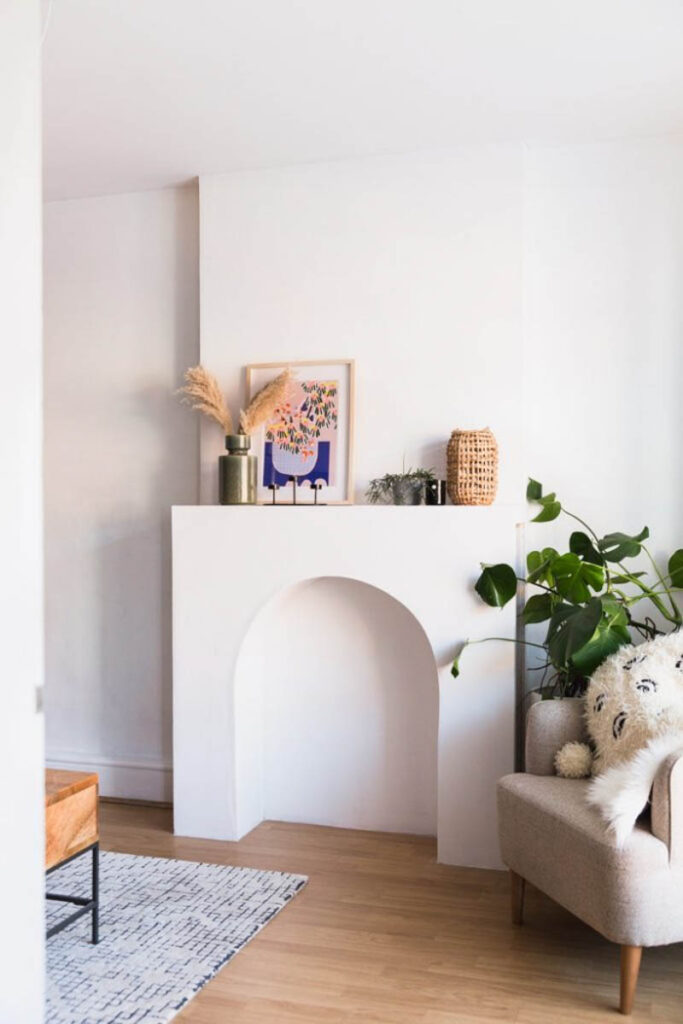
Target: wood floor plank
[{"x": 384, "y": 935}]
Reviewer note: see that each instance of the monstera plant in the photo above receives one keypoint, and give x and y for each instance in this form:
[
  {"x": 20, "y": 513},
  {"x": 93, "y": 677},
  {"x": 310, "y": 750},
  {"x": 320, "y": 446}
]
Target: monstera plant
[{"x": 591, "y": 599}]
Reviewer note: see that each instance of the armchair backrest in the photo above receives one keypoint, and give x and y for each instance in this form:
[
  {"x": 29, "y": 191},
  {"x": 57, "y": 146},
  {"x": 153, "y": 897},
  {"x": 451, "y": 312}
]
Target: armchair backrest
[{"x": 549, "y": 725}]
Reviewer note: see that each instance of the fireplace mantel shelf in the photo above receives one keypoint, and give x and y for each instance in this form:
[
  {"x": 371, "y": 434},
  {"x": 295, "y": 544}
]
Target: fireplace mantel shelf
[
  {"x": 229, "y": 562},
  {"x": 511, "y": 507}
]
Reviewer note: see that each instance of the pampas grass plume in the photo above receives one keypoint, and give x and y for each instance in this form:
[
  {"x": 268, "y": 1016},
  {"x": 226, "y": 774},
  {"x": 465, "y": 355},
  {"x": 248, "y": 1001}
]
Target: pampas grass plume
[
  {"x": 202, "y": 392},
  {"x": 264, "y": 404}
]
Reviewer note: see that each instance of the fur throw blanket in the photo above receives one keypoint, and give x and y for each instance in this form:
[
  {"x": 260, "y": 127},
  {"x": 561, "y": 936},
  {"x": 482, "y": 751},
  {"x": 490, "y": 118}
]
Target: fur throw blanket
[
  {"x": 634, "y": 717},
  {"x": 621, "y": 793}
]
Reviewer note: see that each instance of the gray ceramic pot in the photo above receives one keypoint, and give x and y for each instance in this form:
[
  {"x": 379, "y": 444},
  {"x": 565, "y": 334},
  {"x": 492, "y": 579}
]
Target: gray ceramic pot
[{"x": 407, "y": 492}]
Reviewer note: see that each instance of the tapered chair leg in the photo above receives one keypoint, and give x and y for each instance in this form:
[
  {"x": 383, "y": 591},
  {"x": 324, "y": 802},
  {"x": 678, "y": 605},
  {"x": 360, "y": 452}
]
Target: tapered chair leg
[
  {"x": 517, "y": 885},
  {"x": 630, "y": 965}
]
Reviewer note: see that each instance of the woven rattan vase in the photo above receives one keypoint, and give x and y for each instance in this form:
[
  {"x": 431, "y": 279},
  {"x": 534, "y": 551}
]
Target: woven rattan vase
[{"x": 472, "y": 464}]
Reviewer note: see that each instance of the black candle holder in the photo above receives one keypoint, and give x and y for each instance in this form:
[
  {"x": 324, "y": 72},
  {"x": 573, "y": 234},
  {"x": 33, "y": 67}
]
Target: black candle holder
[{"x": 435, "y": 492}]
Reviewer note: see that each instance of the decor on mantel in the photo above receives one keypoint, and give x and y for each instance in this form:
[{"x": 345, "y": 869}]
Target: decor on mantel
[
  {"x": 405, "y": 488},
  {"x": 588, "y": 597},
  {"x": 307, "y": 437},
  {"x": 435, "y": 492},
  {"x": 472, "y": 467},
  {"x": 238, "y": 470},
  {"x": 315, "y": 488}
]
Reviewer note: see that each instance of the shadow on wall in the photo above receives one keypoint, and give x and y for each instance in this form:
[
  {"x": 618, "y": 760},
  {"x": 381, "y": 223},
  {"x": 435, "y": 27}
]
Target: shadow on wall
[
  {"x": 135, "y": 607},
  {"x": 123, "y": 305},
  {"x": 342, "y": 689},
  {"x": 133, "y": 636}
]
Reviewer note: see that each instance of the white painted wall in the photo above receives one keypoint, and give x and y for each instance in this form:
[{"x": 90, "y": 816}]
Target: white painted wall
[
  {"x": 604, "y": 334},
  {"x": 21, "y": 548},
  {"x": 464, "y": 283},
  {"x": 121, "y": 319},
  {"x": 412, "y": 265}
]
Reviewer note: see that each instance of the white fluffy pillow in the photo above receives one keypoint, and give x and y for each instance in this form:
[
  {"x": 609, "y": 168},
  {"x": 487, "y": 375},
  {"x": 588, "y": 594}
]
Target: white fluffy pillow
[{"x": 633, "y": 697}]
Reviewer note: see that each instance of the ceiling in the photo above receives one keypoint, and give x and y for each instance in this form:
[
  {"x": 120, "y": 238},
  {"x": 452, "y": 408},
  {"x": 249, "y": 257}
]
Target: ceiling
[{"x": 141, "y": 94}]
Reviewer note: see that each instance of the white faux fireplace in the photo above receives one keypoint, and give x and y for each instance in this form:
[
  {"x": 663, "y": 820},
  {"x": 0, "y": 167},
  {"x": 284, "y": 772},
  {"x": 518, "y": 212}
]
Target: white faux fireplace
[{"x": 231, "y": 567}]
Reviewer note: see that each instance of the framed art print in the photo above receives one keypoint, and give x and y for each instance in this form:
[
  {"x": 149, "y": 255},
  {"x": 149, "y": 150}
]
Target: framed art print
[{"x": 310, "y": 435}]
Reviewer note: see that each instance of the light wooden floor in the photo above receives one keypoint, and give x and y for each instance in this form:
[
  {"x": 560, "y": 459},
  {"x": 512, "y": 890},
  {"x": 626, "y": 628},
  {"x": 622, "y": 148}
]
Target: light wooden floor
[{"x": 383, "y": 934}]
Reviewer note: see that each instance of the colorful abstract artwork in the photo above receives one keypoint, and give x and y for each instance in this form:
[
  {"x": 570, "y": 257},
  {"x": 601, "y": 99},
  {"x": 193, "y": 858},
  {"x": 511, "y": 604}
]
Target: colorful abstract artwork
[{"x": 309, "y": 436}]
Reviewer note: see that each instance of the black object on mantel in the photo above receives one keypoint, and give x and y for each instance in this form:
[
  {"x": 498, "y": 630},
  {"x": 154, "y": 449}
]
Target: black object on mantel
[
  {"x": 315, "y": 487},
  {"x": 435, "y": 492}
]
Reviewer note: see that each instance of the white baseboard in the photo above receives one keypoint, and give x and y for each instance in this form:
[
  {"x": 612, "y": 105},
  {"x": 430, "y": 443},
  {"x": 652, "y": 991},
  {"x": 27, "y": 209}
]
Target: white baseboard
[{"x": 119, "y": 777}]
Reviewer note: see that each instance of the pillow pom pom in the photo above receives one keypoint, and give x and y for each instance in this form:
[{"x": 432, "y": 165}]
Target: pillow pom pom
[{"x": 574, "y": 761}]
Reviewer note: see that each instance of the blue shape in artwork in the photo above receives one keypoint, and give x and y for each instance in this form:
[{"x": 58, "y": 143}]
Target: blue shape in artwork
[{"x": 320, "y": 471}]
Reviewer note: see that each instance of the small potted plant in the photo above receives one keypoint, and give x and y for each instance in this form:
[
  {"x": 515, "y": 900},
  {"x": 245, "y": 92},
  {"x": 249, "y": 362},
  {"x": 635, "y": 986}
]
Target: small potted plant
[{"x": 406, "y": 488}]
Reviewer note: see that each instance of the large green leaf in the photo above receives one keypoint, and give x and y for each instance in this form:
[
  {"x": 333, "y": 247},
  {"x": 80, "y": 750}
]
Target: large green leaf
[
  {"x": 611, "y": 634},
  {"x": 580, "y": 544},
  {"x": 617, "y": 546},
  {"x": 537, "y": 609},
  {"x": 538, "y": 565},
  {"x": 575, "y": 579},
  {"x": 550, "y": 511},
  {"x": 534, "y": 490},
  {"x": 603, "y": 643},
  {"x": 497, "y": 585},
  {"x": 675, "y": 568},
  {"x": 572, "y": 626},
  {"x": 614, "y": 610}
]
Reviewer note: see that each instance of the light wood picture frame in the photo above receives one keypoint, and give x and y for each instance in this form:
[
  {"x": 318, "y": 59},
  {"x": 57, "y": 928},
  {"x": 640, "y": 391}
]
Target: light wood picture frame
[{"x": 312, "y": 436}]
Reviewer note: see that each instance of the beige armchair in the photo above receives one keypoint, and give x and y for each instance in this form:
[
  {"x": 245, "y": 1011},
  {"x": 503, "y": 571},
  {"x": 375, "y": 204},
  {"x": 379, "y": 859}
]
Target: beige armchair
[{"x": 552, "y": 838}]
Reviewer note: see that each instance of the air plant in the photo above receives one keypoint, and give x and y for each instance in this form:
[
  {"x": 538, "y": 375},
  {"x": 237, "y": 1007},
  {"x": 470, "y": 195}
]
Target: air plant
[
  {"x": 202, "y": 392},
  {"x": 405, "y": 488}
]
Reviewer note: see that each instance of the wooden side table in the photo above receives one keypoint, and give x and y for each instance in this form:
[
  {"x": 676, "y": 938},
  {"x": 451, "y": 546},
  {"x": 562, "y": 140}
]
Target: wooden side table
[{"x": 72, "y": 829}]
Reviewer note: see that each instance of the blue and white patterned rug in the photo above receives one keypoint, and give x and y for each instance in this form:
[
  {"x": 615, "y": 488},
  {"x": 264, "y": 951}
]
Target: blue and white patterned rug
[{"x": 166, "y": 927}]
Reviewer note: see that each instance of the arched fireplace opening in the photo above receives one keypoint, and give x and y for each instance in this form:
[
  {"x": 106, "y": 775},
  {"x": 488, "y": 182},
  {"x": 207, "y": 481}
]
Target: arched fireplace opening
[{"x": 336, "y": 711}]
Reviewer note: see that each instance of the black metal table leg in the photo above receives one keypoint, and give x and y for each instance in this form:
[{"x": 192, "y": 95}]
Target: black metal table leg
[
  {"x": 86, "y": 905},
  {"x": 96, "y": 893}
]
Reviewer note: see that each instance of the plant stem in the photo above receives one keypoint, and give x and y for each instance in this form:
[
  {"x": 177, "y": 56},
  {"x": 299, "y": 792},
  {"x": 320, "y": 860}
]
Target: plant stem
[
  {"x": 572, "y": 515},
  {"x": 648, "y": 592},
  {"x": 505, "y": 639},
  {"x": 521, "y": 579},
  {"x": 674, "y": 607}
]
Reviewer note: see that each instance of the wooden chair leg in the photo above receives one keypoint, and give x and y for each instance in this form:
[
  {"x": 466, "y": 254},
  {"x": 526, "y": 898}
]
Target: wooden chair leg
[
  {"x": 517, "y": 885},
  {"x": 630, "y": 965}
]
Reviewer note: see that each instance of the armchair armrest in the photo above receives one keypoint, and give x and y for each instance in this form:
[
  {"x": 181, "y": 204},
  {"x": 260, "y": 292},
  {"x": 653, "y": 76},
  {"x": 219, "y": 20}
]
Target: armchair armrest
[
  {"x": 667, "y": 805},
  {"x": 549, "y": 725}
]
